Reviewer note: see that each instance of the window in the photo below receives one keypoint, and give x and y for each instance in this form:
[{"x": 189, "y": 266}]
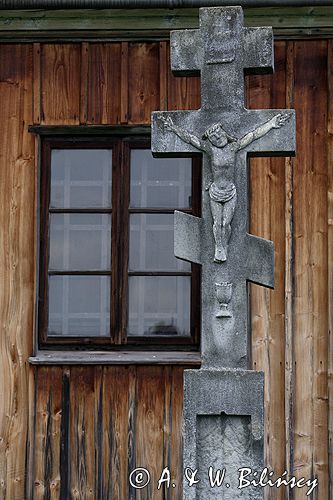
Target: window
[{"x": 108, "y": 276}]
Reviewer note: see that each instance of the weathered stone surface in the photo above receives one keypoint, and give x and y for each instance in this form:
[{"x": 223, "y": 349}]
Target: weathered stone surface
[
  {"x": 223, "y": 429},
  {"x": 224, "y": 443},
  {"x": 188, "y": 235}
]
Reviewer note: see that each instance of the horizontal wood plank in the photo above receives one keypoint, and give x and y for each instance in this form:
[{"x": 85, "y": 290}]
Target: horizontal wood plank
[{"x": 115, "y": 357}]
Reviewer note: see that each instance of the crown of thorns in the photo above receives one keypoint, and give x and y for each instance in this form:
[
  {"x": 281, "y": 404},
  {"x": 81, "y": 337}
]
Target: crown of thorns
[{"x": 215, "y": 127}]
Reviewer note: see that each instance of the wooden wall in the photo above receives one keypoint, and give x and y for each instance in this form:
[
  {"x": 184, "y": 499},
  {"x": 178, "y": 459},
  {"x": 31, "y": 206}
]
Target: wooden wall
[
  {"x": 290, "y": 204},
  {"x": 76, "y": 432}
]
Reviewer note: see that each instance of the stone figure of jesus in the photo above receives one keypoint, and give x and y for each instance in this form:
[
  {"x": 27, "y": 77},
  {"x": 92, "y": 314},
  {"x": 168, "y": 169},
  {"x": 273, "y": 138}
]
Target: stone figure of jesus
[{"x": 221, "y": 150}]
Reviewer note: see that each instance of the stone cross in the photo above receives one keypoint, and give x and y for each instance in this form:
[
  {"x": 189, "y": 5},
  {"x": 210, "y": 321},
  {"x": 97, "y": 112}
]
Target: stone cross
[
  {"x": 223, "y": 399},
  {"x": 222, "y": 50}
]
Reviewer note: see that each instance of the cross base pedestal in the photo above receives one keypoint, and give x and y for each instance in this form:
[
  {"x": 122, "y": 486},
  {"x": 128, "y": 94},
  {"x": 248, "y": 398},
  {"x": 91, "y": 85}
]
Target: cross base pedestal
[{"x": 224, "y": 430}]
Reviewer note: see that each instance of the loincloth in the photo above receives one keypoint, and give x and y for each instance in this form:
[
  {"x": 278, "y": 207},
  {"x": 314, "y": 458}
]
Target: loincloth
[{"x": 222, "y": 195}]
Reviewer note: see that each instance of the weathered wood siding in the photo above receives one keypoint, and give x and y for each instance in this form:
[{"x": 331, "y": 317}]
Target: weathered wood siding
[
  {"x": 17, "y": 268},
  {"x": 76, "y": 432},
  {"x": 289, "y": 204}
]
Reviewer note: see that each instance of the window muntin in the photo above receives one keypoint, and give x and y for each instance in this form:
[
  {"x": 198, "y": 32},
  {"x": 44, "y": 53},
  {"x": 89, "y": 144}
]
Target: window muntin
[{"x": 126, "y": 287}]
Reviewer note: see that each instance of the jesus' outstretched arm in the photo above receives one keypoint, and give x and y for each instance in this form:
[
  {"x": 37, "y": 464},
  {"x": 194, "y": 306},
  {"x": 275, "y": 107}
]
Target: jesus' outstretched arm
[
  {"x": 276, "y": 122},
  {"x": 182, "y": 133}
]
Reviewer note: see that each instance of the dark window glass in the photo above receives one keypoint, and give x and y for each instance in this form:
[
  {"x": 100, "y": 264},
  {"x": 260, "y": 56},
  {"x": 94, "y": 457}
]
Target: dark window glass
[
  {"x": 159, "y": 305},
  {"x": 81, "y": 178},
  {"x": 151, "y": 244},
  {"x": 164, "y": 183},
  {"x": 80, "y": 241},
  {"x": 79, "y": 306}
]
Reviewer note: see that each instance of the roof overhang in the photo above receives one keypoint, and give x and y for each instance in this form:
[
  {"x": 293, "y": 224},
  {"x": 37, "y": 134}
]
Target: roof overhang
[{"x": 152, "y": 4}]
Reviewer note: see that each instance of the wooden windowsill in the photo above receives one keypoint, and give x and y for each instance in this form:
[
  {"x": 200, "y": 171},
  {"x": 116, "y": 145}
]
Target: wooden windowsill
[{"x": 115, "y": 358}]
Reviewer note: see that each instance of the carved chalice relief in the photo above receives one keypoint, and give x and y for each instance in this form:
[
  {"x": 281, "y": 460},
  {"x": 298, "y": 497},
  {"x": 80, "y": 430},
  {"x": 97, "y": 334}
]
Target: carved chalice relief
[
  {"x": 223, "y": 294},
  {"x": 221, "y": 149}
]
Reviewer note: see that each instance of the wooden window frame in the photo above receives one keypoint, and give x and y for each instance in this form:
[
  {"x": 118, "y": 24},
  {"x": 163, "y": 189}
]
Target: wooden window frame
[{"x": 118, "y": 339}]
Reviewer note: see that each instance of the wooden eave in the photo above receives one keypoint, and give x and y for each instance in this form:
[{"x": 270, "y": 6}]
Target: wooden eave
[{"x": 149, "y": 24}]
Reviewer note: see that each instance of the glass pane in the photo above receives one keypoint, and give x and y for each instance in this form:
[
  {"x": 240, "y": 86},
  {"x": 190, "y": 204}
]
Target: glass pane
[
  {"x": 159, "y": 305},
  {"x": 151, "y": 244},
  {"x": 163, "y": 183},
  {"x": 80, "y": 242},
  {"x": 79, "y": 306},
  {"x": 81, "y": 178}
]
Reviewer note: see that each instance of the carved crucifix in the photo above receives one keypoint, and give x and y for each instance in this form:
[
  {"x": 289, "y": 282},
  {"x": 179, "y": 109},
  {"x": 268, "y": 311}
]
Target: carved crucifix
[
  {"x": 221, "y": 149},
  {"x": 226, "y": 133},
  {"x": 223, "y": 401}
]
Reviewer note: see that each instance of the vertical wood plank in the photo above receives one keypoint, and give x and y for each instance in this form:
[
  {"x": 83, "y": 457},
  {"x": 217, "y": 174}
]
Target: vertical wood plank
[
  {"x": 176, "y": 432},
  {"x": 48, "y": 433},
  {"x": 97, "y": 440},
  {"x": 17, "y": 184},
  {"x": 330, "y": 259},
  {"x": 106, "y": 83},
  {"x": 267, "y": 307},
  {"x": 164, "y": 72},
  {"x": 60, "y": 83},
  {"x": 84, "y": 82},
  {"x": 42, "y": 385},
  {"x": 311, "y": 285},
  {"x": 167, "y": 427},
  {"x": 149, "y": 428},
  {"x": 124, "y": 83},
  {"x": 119, "y": 410},
  {"x": 65, "y": 464},
  {"x": 143, "y": 81},
  {"x": 30, "y": 449},
  {"x": 36, "y": 96},
  {"x": 183, "y": 92},
  {"x": 115, "y": 433},
  {"x": 84, "y": 395},
  {"x": 131, "y": 426},
  {"x": 289, "y": 282}
]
